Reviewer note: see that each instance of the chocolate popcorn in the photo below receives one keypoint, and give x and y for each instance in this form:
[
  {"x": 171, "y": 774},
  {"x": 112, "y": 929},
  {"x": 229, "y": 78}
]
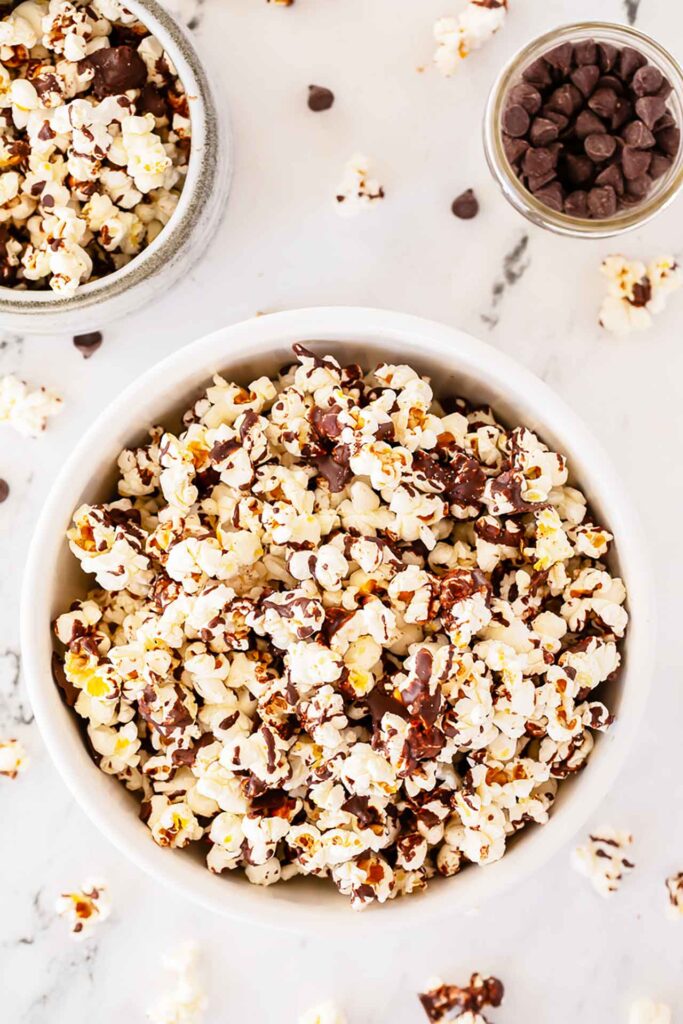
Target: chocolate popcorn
[
  {"x": 94, "y": 142},
  {"x": 450, "y": 1002},
  {"x": 357, "y": 189},
  {"x": 674, "y": 891},
  {"x": 342, "y": 629},
  {"x": 458, "y": 37},
  {"x": 84, "y": 908},
  {"x": 636, "y": 291},
  {"x": 603, "y": 859}
]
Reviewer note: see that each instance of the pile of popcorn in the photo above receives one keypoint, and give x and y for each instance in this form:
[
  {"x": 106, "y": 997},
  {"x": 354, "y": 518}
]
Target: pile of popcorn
[
  {"x": 94, "y": 141},
  {"x": 341, "y": 629}
]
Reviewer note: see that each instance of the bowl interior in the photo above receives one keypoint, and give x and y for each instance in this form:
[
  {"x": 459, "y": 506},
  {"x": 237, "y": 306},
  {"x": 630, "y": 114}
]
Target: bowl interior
[{"x": 457, "y": 364}]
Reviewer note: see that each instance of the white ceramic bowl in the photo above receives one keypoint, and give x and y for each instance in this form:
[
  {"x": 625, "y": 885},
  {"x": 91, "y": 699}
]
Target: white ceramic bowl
[{"x": 456, "y": 362}]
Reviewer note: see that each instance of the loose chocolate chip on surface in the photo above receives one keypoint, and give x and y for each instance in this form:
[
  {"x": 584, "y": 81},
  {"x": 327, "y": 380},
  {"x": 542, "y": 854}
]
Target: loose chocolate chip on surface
[
  {"x": 635, "y": 161},
  {"x": 4, "y": 490},
  {"x": 319, "y": 98},
  {"x": 600, "y": 147},
  {"x": 88, "y": 344},
  {"x": 602, "y": 202},
  {"x": 466, "y": 205},
  {"x": 526, "y": 95},
  {"x": 647, "y": 80},
  {"x": 638, "y": 135},
  {"x": 515, "y": 121}
]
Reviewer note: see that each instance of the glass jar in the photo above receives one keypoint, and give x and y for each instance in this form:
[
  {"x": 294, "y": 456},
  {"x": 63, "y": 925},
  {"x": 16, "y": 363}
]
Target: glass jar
[
  {"x": 183, "y": 239},
  {"x": 664, "y": 189}
]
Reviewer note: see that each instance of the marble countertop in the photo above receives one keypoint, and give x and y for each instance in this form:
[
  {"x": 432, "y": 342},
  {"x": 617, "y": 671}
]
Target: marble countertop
[{"x": 564, "y": 954}]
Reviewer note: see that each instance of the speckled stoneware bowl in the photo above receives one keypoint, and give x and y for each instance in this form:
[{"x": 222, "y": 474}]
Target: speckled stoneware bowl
[{"x": 184, "y": 238}]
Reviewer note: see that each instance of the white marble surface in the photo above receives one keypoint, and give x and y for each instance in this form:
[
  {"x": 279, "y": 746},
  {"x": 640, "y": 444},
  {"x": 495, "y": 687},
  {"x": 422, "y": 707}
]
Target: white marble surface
[{"x": 564, "y": 955}]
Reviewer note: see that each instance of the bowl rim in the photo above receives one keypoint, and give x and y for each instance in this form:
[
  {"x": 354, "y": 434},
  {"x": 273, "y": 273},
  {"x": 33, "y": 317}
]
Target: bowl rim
[{"x": 256, "y": 336}]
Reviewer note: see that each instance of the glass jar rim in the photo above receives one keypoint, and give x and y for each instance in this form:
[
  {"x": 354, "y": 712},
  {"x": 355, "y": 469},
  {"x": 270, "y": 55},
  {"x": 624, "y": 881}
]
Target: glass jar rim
[{"x": 517, "y": 193}]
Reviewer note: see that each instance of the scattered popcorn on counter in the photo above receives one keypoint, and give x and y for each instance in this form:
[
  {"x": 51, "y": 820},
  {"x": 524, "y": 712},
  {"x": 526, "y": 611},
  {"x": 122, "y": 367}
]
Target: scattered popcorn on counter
[
  {"x": 602, "y": 859},
  {"x": 326, "y": 1013},
  {"x": 674, "y": 890},
  {"x": 185, "y": 1001},
  {"x": 24, "y": 408},
  {"x": 647, "y": 1012},
  {"x": 94, "y": 142},
  {"x": 636, "y": 291},
  {"x": 450, "y": 1002},
  {"x": 357, "y": 190},
  {"x": 13, "y": 758},
  {"x": 459, "y": 36},
  {"x": 84, "y": 908},
  {"x": 340, "y": 629}
]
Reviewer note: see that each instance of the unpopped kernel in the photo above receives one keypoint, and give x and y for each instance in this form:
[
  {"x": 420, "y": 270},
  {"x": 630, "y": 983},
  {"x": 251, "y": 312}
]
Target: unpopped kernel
[
  {"x": 603, "y": 859},
  {"x": 636, "y": 291},
  {"x": 342, "y": 629},
  {"x": 94, "y": 142},
  {"x": 84, "y": 908},
  {"x": 457, "y": 37}
]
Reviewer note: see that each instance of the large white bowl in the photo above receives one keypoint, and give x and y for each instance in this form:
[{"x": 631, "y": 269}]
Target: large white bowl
[{"x": 456, "y": 363}]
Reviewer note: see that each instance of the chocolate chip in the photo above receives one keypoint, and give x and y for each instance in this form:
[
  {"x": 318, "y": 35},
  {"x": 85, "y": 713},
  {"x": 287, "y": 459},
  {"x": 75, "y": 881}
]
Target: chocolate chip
[
  {"x": 602, "y": 202},
  {"x": 466, "y": 205},
  {"x": 635, "y": 162},
  {"x": 622, "y": 113},
  {"x": 585, "y": 78},
  {"x": 552, "y": 196},
  {"x": 543, "y": 131},
  {"x": 603, "y": 102},
  {"x": 538, "y": 73},
  {"x": 117, "y": 69},
  {"x": 576, "y": 204},
  {"x": 666, "y": 121},
  {"x": 669, "y": 139},
  {"x": 560, "y": 57},
  {"x": 611, "y": 82},
  {"x": 629, "y": 61},
  {"x": 588, "y": 123},
  {"x": 640, "y": 186},
  {"x": 526, "y": 95},
  {"x": 539, "y": 160},
  {"x": 650, "y": 108},
  {"x": 539, "y": 181},
  {"x": 559, "y": 119},
  {"x": 659, "y": 165},
  {"x": 566, "y": 99},
  {"x": 611, "y": 176},
  {"x": 607, "y": 56},
  {"x": 638, "y": 135},
  {"x": 600, "y": 147},
  {"x": 579, "y": 168},
  {"x": 514, "y": 148},
  {"x": 319, "y": 98},
  {"x": 647, "y": 81},
  {"x": 665, "y": 89},
  {"x": 4, "y": 490},
  {"x": 585, "y": 52},
  {"x": 152, "y": 101},
  {"x": 88, "y": 344},
  {"x": 515, "y": 121}
]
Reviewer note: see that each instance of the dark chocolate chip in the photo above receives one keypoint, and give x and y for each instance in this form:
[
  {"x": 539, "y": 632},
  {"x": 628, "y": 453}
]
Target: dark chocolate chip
[
  {"x": 659, "y": 165},
  {"x": 665, "y": 89},
  {"x": 588, "y": 123},
  {"x": 629, "y": 62},
  {"x": 639, "y": 187},
  {"x": 623, "y": 113},
  {"x": 647, "y": 81},
  {"x": 576, "y": 204},
  {"x": 117, "y": 69},
  {"x": 607, "y": 56},
  {"x": 319, "y": 98},
  {"x": 600, "y": 147},
  {"x": 638, "y": 135},
  {"x": 552, "y": 196},
  {"x": 88, "y": 344},
  {"x": 543, "y": 131},
  {"x": 152, "y": 101},
  {"x": 611, "y": 176},
  {"x": 603, "y": 102},
  {"x": 585, "y": 52},
  {"x": 559, "y": 119},
  {"x": 527, "y": 96},
  {"x": 515, "y": 121},
  {"x": 579, "y": 168},
  {"x": 4, "y": 490},
  {"x": 466, "y": 205},
  {"x": 536, "y": 181},
  {"x": 539, "y": 160},
  {"x": 602, "y": 202},
  {"x": 585, "y": 78},
  {"x": 538, "y": 73},
  {"x": 514, "y": 148},
  {"x": 669, "y": 139},
  {"x": 650, "y": 108},
  {"x": 566, "y": 99},
  {"x": 611, "y": 82},
  {"x": 560, "y": 58},
  {"x": 635, "y": 162}
]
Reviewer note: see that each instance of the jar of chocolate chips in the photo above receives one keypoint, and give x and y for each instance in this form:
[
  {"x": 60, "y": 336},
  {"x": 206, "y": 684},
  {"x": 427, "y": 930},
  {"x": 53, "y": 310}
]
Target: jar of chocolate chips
[{"x": 582, "y": 129}]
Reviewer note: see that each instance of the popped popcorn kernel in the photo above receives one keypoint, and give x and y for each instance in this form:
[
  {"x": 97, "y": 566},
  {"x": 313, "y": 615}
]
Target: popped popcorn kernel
[
  {"x": 636, "y": 291},
  {"x": 26, "y": 409},
  {"x": 603, "y": 859},
  {"x": 84, "y": 908},
  {"x": 357, "y": 190},
  {"x": 457, "y": 37},
  {"x": 13, "y": 758}
]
